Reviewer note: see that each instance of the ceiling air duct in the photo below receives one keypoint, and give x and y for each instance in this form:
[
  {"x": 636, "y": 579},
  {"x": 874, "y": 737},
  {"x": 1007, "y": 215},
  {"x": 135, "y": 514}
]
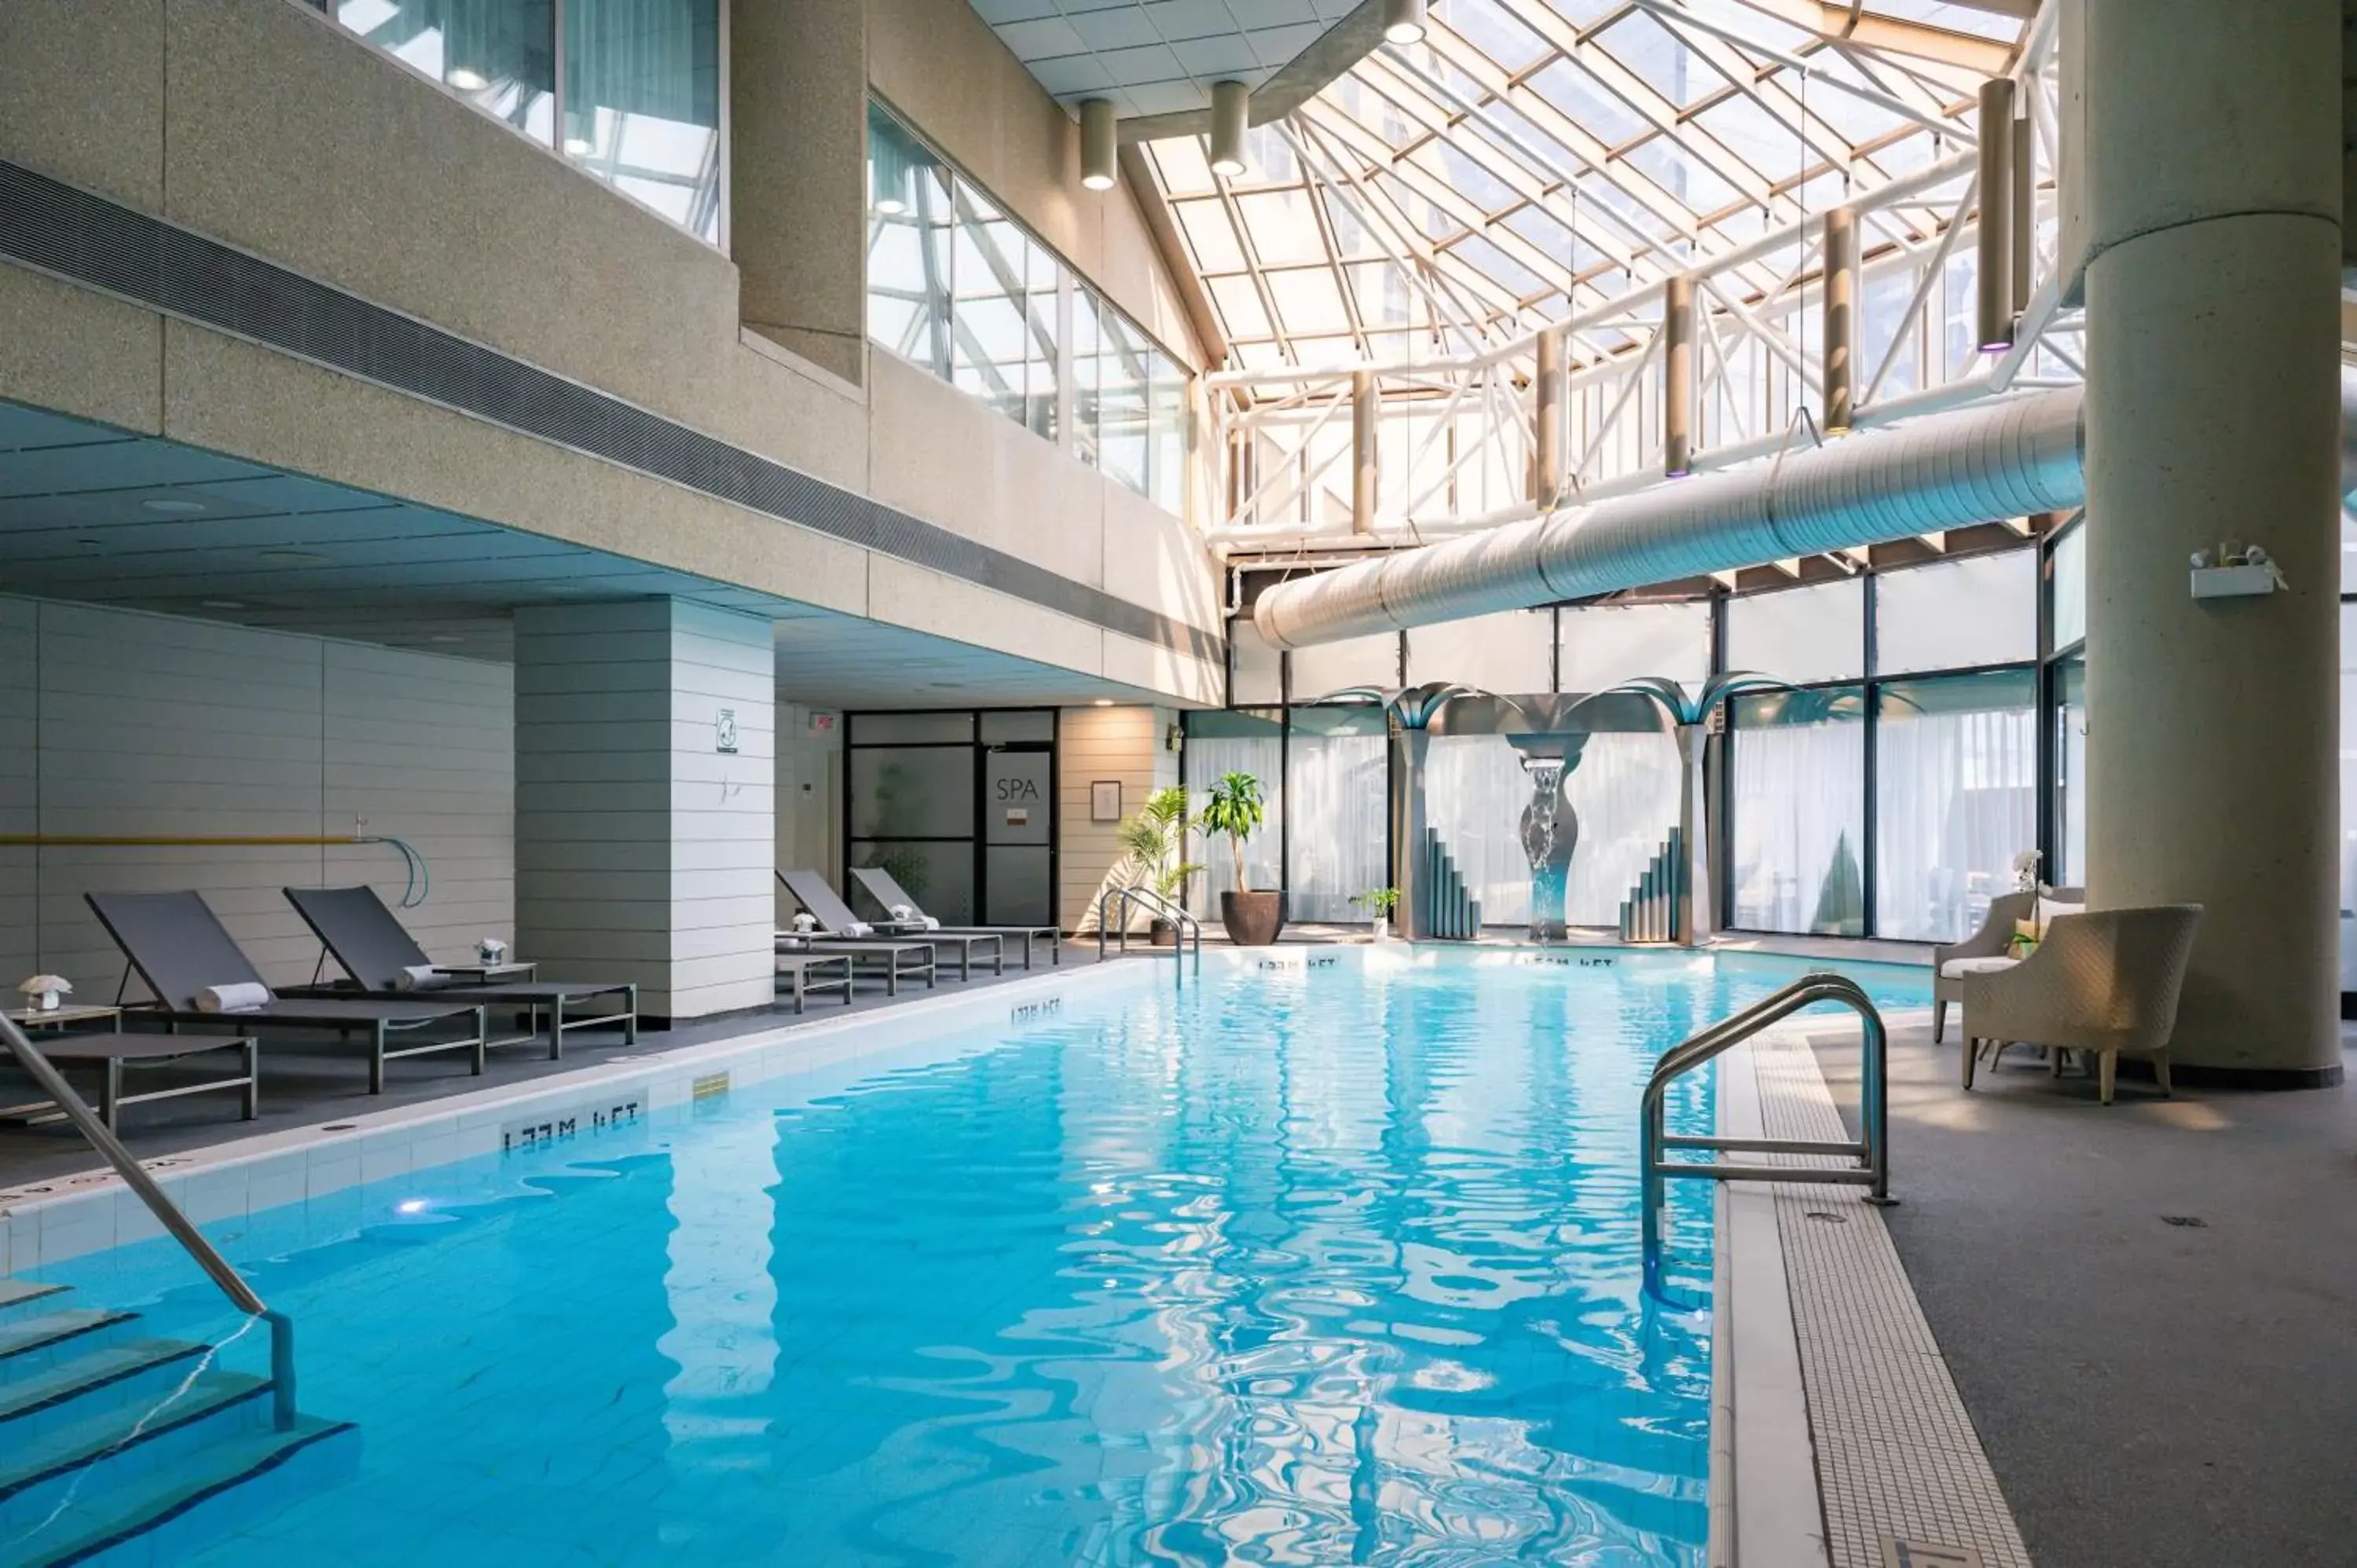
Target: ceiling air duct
[{"x": 2006, "y": 458}]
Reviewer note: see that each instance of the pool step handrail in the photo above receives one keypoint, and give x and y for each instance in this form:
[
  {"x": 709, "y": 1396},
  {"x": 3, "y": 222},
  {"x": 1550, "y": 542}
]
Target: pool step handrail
[
  {"x": 1871, "y": 1152},
  {"x": 1155, "y": 904},
  {"x": 167, "y": 1214}
]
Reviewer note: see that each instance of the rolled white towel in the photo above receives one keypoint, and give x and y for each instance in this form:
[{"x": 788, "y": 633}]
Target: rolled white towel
[
  {"x": 904, "y": 911},
  {"x": 417, "y": 977},
  {"x": 859, "y": 929},
  {"x": 931, "y": 924},
  {"x": 242, "y": 997}
]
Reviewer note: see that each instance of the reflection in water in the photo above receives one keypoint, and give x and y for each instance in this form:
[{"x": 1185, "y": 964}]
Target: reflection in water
[{"x": 1303, "y": 1268}]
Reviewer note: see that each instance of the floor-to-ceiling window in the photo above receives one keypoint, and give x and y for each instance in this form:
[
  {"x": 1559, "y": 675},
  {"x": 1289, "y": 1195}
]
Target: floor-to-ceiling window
[
  {"x": 637, "y": 102},
  {"x": 960, "y": 808},
  {"x": 2066, "y": 705},
  {"x": 1336, "y": 780},
  {"x": 1889, "y": 793}
]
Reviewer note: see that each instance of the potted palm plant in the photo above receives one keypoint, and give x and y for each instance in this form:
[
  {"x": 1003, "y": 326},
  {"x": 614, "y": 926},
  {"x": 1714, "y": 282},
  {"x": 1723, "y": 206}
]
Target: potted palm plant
[
  {"x": 1379, "y": 903},
  {"x": 1156, "y": 838},
  {"x": 1253, "y": 917}
]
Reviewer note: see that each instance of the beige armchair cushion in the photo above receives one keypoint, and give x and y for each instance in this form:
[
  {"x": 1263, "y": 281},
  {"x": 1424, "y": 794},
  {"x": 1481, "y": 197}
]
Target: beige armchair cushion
[
  {"x": 2107, "y": 981},
  {"x": 1957, "y": 968}
]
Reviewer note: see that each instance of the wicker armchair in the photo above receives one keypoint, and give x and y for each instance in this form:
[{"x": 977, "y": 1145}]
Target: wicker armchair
[
  {"x": 1992, "y": 940},
  {"x": 2105, "y": 982}
]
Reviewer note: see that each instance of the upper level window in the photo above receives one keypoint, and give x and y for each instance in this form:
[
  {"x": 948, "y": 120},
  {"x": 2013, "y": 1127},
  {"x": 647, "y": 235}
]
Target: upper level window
[
  {"x": 956, "y": 285},
  {"x": 638, "y": 101}
]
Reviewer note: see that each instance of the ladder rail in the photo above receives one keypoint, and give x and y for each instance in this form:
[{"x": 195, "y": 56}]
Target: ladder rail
[
  {"x": 1154, "y": 903},
  {"x": 175, "y": 1221},
  {"x": 1871, "y": 1151}
]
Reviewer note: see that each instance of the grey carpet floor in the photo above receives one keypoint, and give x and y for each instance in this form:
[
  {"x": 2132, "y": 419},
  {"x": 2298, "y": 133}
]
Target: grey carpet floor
[{"x": 2151, "y": 1394}]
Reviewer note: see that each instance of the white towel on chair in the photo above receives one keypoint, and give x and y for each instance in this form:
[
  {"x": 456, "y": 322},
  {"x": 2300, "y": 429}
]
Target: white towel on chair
[
  {"x": 417, "y": 977},
  {"x": 931, "y": 924},
  {"x": 242, "y": 997},
  {"x": 859, "y": 929}
]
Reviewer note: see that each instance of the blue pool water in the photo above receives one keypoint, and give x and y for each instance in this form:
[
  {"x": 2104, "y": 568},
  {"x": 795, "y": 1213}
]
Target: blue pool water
[{"x": 1306, "y": 1267}]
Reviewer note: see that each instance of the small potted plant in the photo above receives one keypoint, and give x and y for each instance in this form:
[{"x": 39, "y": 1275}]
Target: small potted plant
[
  {"x": 1156, "y": 837},
  {"x": 1380, "y": 902},
  {"x": 1253, "y": 917},
  {"x": 42, "y": 991}
]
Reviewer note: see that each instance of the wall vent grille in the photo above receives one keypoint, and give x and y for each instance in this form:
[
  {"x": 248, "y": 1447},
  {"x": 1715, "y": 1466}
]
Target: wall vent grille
[{"x": 87, "y": 239}]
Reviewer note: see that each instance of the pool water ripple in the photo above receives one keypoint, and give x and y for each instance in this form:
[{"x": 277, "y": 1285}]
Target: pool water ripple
[{"x": 1297, "y": 1268}]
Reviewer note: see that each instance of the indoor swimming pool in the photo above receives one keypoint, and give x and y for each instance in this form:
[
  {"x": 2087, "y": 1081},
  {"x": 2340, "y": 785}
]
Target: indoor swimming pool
[{"x": 1331, "y": 1258}]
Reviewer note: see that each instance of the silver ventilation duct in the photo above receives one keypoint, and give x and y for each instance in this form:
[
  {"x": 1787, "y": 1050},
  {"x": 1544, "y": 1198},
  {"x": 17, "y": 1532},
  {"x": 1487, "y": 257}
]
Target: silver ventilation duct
[{"x": 2006, "y": 458}]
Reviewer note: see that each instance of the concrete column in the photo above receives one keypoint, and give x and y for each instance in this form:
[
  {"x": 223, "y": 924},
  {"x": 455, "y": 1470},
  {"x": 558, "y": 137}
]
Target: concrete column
[
  {"x": 2211, "y": 199},
  {"x": 1365, "y": 451},
  {"x": 645, "y": 800},
  {"x": 1409, "y": 748},
  {"x": 798, "y": 175},
  {"x": 1677, "y": 375}
]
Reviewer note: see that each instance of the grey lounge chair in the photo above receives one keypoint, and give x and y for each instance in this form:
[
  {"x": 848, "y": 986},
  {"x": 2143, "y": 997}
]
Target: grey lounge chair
[
  {"x": 378, "y": 953},
  {"x": 179, "y": 947},
  {"x": 889, "y": 895},
  {"x": 2106, "y": 983},
  {"x": 837, "y": 923},
  {"x": 113, "y": 1054},
  {"x": 809, "y": 971},
  {"x": 1977, "y": 953}
]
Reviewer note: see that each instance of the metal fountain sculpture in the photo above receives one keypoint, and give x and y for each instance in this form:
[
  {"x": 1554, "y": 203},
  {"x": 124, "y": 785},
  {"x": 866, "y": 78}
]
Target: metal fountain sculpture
[
  {"x": 1689, "y": 720},
  {"x": 1549, "y": 745},
  {"x": 1408, "y": 713}
]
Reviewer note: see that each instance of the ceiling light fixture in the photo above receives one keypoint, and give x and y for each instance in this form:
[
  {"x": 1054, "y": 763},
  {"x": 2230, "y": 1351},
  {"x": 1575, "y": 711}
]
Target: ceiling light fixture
[
  {"x": 1404, "y": 21},
  {"x": 1230, "y": 101},
  {"x": 1104, "y": 702},
  {"x": 1097, "y": 143},
  {"x": 466, "y": 80},
  {"x": 174, "y": 507},
  {"x": 577, "y": 145},
  {"x": 222, "y": 603}
]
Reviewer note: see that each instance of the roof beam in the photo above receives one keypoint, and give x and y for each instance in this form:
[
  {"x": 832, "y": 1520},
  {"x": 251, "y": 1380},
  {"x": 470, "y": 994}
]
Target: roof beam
[{"x": 1891, "y": 35}]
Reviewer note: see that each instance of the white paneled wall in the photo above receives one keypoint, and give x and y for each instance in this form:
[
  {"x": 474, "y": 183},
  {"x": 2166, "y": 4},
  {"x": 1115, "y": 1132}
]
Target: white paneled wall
[
  {"x": 643, "y": 851},
  {"x": 810, "y": 796},
  {"x": 118, "y": 723}
]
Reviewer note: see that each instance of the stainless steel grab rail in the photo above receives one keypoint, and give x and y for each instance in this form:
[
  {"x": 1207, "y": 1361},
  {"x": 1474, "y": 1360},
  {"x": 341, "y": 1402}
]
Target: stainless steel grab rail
[
  {"x": 1872, "y": 1151},
  {"x": 1155, "y": 904},
  {"x": 167, "y": 1213}
]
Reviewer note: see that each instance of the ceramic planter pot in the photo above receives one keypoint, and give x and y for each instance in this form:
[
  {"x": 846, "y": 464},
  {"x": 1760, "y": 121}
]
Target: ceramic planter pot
[
  {"x": 1163, "y": 933},
  {"x": 1253, "y": 920}
]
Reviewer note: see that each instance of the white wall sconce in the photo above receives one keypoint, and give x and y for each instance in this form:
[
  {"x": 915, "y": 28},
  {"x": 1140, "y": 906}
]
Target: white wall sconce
[{"x": 2234, "y": 571}]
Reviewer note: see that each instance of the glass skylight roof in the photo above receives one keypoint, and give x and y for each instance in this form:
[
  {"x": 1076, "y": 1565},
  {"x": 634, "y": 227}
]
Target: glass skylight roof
[{"x": 1533, "y": 158}]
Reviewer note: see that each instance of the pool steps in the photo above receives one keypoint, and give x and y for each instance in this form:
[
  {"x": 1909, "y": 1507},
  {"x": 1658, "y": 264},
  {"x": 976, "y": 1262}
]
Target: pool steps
[{"x": 121, "y": 1449}]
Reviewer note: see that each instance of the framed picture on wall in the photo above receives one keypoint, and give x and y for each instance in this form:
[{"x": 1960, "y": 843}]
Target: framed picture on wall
[{"x": 1105, "y": 800}]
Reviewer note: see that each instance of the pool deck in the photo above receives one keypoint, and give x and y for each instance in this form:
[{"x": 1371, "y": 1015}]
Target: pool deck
[{"x": 2152, "y": 1393}]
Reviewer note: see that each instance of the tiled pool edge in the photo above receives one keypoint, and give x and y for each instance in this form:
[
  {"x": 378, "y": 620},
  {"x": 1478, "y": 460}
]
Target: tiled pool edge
[
  {"x": 1884, "y": 1451},
  {"x": 50, "y": 1221},
  {"x": 1764, "y": 1506}
]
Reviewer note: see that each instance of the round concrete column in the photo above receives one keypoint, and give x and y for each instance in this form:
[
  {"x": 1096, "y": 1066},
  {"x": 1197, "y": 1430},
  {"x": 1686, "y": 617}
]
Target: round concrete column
[{"x": 2211, "y": 198}]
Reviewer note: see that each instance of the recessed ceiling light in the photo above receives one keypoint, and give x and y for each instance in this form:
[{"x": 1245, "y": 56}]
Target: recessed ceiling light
[
  {"x": 294, "y": 558},
  {"x": 223, "y": 604},
  {"x": 445, "y": 636},
  {"x": 577, "y": 145},
  {"x": 177, "y": 509},
  {"x": 1104, "y": 702},
  {"x": 466, "y": 80}
]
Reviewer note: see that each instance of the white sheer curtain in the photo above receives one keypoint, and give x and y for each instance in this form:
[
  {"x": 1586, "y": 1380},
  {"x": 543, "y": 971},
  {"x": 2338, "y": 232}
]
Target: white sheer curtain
[
  {"x": 1208, "y": 756},
  {"x": 1339, "y": 788},
  {"x": 1798, "y": 821},
  {"x": 1625, "y": 791},
  {"x": 1955, "y": 800},
  {"x": 1474, "y": 793}
]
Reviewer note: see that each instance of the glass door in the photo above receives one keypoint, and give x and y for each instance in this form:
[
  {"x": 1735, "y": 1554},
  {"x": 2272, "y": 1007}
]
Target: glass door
[{"x": 960, "y": 808}]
